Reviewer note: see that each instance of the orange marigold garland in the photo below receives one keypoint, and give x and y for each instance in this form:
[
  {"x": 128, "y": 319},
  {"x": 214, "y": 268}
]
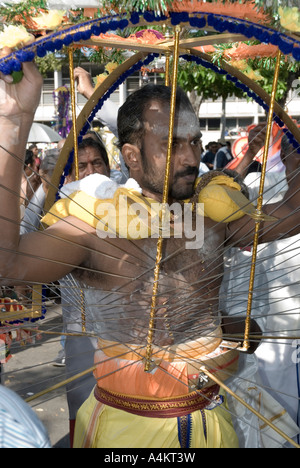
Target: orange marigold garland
[{"x": 247, "y": 10}]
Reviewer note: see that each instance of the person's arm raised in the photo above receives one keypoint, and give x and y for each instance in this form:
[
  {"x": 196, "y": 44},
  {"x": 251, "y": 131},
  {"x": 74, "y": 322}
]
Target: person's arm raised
[
  {"x": 84, "y": 82},
  {"x": 25, "y": 258},
  {"x": 108, "y": 113},
  {"x": 18, "y": 103},
  {"x": 256, "y": 140}
]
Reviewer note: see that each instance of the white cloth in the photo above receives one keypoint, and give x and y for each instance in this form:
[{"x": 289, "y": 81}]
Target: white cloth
[
  {"x": 252, "y": 432},
  {"x": 97, "y": 186},
  {"x": 32, "y": 216},
  {"x": 19, "y": 425},
  {"x": 275, "y": 164},
  {"x": 203, "y": 169},
  {"x": 108, "y": 114}
]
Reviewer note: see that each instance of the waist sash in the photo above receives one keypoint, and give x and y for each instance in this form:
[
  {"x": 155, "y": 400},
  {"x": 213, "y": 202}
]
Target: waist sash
[
  {"x": 168, "y": 390},
  {"x": 164, "y": 408}
]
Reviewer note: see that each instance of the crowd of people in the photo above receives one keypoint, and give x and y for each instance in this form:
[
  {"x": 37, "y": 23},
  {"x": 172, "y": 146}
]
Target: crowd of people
[
  {"x": 114, "y": 408},
  {"x": 217, "y": 154}
]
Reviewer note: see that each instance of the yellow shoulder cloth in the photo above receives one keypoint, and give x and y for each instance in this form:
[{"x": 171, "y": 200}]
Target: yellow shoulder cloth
[
  {"x": 219, "y": 198},
  {"x": 223, "y": 200}
]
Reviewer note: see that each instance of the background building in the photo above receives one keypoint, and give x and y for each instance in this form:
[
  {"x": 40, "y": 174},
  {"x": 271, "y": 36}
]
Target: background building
[{"x": 239, "y": 113}]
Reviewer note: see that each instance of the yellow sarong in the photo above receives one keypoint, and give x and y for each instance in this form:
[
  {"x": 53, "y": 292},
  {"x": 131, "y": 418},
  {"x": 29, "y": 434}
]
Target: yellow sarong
[{"x": 101, "y": 426}]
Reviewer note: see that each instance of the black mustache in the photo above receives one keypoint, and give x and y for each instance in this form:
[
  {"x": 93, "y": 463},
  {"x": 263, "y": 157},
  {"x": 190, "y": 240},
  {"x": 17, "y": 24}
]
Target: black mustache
[{"x": 191, "y": 170}]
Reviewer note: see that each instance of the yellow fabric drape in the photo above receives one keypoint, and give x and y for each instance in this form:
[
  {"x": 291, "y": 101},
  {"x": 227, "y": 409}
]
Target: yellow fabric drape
[
  {"x": 221, "y": 200},
  {"x": 101, "y": 426}
]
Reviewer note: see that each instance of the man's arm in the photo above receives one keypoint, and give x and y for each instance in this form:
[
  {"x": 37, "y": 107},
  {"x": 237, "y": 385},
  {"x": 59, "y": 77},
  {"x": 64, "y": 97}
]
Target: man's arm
[
  {"x": 109, "y": 112},
  {"x": 37, "y": 256},
  {"x": 286, "y": 212},
  {"x": 256, "y": 140},
  {"x": 17, "y": 107}
]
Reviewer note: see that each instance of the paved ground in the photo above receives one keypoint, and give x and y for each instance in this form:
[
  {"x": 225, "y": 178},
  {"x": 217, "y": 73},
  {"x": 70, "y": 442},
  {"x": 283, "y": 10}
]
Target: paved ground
[{"x": 31, "y": 370}]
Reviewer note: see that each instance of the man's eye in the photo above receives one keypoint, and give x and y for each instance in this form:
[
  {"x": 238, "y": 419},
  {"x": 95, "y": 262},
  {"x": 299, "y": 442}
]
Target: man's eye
[{"x": 196, "y": 142}]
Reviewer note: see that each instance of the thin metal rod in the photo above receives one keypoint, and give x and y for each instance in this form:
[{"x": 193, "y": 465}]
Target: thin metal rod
[
  {"x": 167, "y": 69},
  {"x": 246, "y": 343},
  {"x": 60, "y": 384},
  {"x": 164, "y": 201}
]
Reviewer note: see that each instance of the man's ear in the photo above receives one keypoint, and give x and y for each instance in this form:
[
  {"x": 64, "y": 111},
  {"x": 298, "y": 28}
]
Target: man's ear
[{"x": 132, "y": 156}]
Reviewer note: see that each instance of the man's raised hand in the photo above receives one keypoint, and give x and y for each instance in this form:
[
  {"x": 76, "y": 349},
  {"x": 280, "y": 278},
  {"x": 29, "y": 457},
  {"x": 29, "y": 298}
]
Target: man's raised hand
[{"x": 22, "y": 97}]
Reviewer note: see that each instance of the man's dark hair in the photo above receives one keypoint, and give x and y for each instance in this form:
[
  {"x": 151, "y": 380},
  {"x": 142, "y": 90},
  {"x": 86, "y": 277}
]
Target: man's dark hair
[
  {"x": 28, "y": 158},
  {"x": 98, "y": 145},
  {"x": 131, "y": 113}
]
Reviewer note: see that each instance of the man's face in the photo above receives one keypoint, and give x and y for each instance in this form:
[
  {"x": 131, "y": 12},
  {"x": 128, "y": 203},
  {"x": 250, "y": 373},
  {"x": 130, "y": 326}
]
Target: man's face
[
  {"x": 186, "y": 151},
  {"x": 214, "y": 148},
  {"x": 90, "y": 161}
]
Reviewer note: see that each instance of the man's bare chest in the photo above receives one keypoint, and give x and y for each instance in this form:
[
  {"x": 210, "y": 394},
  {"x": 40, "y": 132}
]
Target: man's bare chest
[{"x": 119, "y": 261}]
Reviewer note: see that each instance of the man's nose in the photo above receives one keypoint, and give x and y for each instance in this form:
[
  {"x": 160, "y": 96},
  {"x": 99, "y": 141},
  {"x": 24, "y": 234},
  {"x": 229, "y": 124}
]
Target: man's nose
[
  {"x": 90, "y": 169},
  {"x": 188, "y": 156}
]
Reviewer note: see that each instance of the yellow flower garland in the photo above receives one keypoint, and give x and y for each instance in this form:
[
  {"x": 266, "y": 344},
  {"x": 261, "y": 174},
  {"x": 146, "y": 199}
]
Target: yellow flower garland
[
  {"x": 290, "y": 18},
  {"x": 14, "y": 36},
  {"x": 49, "y": 21}
]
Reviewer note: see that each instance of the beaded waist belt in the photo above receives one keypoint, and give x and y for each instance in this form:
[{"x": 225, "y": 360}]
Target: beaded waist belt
[{"x": 163, "y": 408}]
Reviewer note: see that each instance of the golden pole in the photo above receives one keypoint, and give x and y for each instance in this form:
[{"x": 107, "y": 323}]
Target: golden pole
[
  {"x": 167, "y": 69},
  {"x": 230, "y": 392},
  {"x": 164, "y": 202},
  {"x": 72, "y": 86},
  {"x": 259, "y": 213}
]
